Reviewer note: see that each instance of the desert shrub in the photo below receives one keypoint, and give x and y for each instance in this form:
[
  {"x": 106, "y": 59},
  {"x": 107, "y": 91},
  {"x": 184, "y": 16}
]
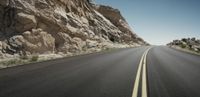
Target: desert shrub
[
  {"x": 184, "y": 40},
  {"x": 14, "y": 61},
  {"x": 24, "y": 57},
  {"x": 183, "y": 45},
  {"x": 198, "y": 50},
  {"x": 34, "y": 58},
  {"x": 10, "y": 62},
  {"x": 191, "y": 49}
]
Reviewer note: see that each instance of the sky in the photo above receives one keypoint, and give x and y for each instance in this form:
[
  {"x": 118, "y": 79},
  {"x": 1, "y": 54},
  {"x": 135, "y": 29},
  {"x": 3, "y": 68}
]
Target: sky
[{"x": 160, "y": 21}]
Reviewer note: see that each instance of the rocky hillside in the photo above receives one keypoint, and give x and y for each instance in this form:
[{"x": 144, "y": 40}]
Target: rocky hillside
[
  {"x": 192, "y": 44},
  {"x": 60, "y": 26},
  {"x": 118, "y": 20}
]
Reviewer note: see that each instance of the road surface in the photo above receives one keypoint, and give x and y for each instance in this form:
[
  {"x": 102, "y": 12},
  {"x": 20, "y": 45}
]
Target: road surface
[{"x": 132, "y": 72}]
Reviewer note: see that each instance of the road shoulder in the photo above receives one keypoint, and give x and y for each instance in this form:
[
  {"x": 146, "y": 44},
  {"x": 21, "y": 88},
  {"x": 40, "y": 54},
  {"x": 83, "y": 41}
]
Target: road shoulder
[{"x": 184, "y": 50}]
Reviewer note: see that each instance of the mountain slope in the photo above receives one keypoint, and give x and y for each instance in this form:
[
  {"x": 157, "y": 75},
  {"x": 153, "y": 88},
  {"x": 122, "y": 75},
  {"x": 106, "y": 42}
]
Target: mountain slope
[{"x": 59, "y": 26}]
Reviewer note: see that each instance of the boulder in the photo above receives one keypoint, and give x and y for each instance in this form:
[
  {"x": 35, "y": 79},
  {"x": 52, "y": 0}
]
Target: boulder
[
  {"x": 25, "y": 22},
  {"x": 91, "y": 44},
  {"x": 39, "y": 41}
]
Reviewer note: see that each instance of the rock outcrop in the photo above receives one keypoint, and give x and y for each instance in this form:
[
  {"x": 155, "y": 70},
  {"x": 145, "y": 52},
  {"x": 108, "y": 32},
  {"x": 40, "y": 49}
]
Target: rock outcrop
[
  {"x": 54, "y": 26},
  {"x": 119, "y": 21},
  {"x": 192, "y": 44}
]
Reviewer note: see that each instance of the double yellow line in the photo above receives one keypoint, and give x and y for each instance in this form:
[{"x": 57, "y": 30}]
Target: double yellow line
[{"x": 141, "y": 69}]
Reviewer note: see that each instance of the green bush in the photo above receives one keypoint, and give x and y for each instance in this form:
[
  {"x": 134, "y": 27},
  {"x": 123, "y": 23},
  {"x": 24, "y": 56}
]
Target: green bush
[
  {"x": 34, "y": 58},
  {"x": 10, "y": 62},
  {"x": 14, "y": 61},
  {"x": 198, "y": 51},
  {"x": 24, "y": 57},
  {"x": 191, "y": 49},
  {"x": 183, "y": 46}
]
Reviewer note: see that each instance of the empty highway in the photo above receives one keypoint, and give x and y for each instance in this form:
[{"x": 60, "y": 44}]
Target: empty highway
[{"x": 157, "y": 71}]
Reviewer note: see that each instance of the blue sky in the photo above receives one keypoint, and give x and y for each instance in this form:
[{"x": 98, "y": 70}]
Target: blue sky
[{"x": 160, "y": 21}]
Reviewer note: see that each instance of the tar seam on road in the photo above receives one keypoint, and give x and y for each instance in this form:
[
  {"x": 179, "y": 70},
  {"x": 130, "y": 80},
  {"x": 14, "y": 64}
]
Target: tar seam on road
[{"x": 141, "y": 69}]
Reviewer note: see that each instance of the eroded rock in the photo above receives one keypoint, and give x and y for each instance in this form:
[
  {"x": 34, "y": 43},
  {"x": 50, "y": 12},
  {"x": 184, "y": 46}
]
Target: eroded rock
[
  {"x": 38, "y": 41},
  {"x": 61, "y": 26},
  {"x": 25, "y": 22}
]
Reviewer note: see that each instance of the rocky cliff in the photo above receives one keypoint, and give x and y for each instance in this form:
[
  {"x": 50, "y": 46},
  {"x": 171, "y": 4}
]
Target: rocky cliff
[
  {"x": 119, "y": 21},
  {"x": 53, "y": 26}
]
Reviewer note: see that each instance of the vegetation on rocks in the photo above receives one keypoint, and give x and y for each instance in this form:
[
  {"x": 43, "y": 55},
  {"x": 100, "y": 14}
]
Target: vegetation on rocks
[{"x": 191, "y": 44}]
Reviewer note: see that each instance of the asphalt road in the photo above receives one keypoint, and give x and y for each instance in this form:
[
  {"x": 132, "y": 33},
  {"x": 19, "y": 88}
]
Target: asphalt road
[{"x": 170, "y": 73}]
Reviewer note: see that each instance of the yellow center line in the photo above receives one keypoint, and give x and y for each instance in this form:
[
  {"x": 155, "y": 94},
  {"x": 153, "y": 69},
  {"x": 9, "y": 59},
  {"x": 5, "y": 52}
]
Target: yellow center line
[
  {"x": 144, "y": 77},
  {"x": 136, "y": 84}
]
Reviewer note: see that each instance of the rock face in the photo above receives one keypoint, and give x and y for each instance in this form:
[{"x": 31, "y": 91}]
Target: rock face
[
  {"x": 118, "y": 20},
  {"x": 53, "y": 26},
  {"x": 187, "y": 43}
]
